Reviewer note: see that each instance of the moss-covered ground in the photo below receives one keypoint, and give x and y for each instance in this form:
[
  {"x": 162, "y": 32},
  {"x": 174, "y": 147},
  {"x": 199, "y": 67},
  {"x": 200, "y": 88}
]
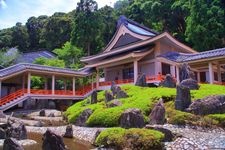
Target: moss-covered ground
[{"x": 144, "y": 98}]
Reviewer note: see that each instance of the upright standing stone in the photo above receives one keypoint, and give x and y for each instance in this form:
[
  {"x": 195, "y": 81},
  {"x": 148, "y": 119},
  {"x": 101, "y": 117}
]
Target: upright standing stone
[
  {"x": 52, "y": 141},
  {"x": 94, "y": 97},
  {"x": 168, "y": 82},
  {"x": 141, "y": 81},
  {"x": 185, "y": 72},
  {"x": 11, "y": 144},
  {"x": 69, "y": 131},
  {"x": 190, "y": 83},
  {"x": 157, "y": 115},
  {"x": 183, "y": 98},
  {"x": 120, "y": 93},
  {"x": 132, "y": 118},
  {"x": 113, "y": 88},
  {"x": 108, "y": 96},
  {"x": 83, "y": 117}
]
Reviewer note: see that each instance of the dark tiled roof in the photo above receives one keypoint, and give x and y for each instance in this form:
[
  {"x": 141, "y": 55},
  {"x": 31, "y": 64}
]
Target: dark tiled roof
[
  {"x": 181, "y": 57},
  {"x": 31, "y": 56},
  {"x": 24, "y": 66}
]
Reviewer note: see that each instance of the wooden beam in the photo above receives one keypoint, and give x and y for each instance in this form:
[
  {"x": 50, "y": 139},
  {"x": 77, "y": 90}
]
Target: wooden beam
[
  {"x": 53, "y": 84},
  {"x": 211, "y": 74},
  {"x": 135, "y": 70},
  {"x": 74, "y": 86},
  {"x": 28, "y": 82}
]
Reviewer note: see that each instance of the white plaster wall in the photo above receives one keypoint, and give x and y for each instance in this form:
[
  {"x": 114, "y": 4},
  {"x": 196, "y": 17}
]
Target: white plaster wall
[{"x": 148, "y": 69}]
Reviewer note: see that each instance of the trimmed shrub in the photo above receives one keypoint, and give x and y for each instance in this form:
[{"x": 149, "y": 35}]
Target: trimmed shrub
[{"x": 133, "y": 138}]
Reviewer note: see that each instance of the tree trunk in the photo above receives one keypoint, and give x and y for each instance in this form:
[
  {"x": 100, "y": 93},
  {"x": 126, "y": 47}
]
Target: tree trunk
[{"x": 88, "y": 49}]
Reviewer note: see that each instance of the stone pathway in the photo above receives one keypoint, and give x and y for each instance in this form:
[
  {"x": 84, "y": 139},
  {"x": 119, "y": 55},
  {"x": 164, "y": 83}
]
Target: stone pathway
[{"x": 196, "y": 138}]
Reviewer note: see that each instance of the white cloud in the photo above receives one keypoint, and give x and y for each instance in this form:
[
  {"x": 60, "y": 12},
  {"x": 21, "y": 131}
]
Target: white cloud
[
  {"x": 21, "y": 10},
  {"x": 3, "y": 4}
]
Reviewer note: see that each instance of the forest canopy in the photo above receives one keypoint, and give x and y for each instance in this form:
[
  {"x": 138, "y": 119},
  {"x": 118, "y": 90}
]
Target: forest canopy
[{"x": 87, "y": 29}]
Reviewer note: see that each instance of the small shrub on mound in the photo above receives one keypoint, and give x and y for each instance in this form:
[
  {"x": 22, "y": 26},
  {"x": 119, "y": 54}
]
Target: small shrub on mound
[
  {"x": 133, "y": 138},
  {"x": 220, "y": 118}
]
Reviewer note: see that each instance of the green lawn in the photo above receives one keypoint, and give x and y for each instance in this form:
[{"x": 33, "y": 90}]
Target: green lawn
[{"x": 143, "y": 98}]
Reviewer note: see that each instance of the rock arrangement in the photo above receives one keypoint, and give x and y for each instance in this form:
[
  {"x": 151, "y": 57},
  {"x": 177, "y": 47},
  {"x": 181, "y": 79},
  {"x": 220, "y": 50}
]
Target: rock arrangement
[
  {"x": 83, "y": 117},
  {"x": 190, "y": 83},
  {"x": 141, "y": 81},
  {"x": 94, "y": 97},
  {"x": 11, "y": 144},
  {"x": 157, "y": 115},
  {"x": 185, "y": 72},
  {"x": 208, "y": 105},
  {"x": 52, "y": 141},
  {"x": 114, "y": 103},
  {"x": 132, "y": 118},
  {"x": 168, "y": 82},
  {"x": 16, "y": 130},
  {"x": 183, "y": 98},
  {"x": 108, "y": 96},
  {"x": 69, "y": 132}
]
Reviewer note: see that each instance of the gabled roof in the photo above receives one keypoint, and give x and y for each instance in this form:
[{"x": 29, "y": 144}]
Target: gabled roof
[
  {"x": 181, "y": 57},
  {"x": 129, "y": 47},
  {"x": 30, "y": 57},
  {"x": 21, "y": 67},
  {"x": 128, "y": 32}
]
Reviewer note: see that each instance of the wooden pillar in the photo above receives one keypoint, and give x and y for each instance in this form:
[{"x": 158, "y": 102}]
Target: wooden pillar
[
  {"x": 28, "y": 82},
  {"x": 172, "y": 70},
  {"x": 46, "y": 83},
  {"x": 198, "y": 77},
  {"x": 219, "y": 72},
  {"x": 53, "y": 84},
  {"x": 65, "y": 84},
  {"x": 211, "y": 74},
  {"x": 74, "y": 86},
  {"x": 97, "y": 78},
  {"x": 158, "y": 67},
  {"x": 178, "y": 74},
  {"x": 0, "y": 89},
  {"x": 135, "y": 70},
  {"x": 23, "y": 82},
  {"x": 92, "y": 83}
]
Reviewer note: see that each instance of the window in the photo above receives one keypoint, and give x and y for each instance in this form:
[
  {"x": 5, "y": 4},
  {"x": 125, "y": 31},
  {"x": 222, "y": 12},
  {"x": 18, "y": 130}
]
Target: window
[
  {"x": 128, "y": 73},
  {"x": 165, "y": 69}
]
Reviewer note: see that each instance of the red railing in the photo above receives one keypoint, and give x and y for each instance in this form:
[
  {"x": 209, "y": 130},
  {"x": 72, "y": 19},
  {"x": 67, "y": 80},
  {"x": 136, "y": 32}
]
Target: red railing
[
  {"x": 12, "y": 96},
  {"x": 124, "y": 81},
  {"x": 155, "y": 78}
]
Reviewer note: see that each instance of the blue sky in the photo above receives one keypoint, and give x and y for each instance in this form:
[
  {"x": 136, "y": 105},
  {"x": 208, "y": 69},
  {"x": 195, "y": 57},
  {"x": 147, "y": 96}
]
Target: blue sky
[{"x": 12, "y": 11}]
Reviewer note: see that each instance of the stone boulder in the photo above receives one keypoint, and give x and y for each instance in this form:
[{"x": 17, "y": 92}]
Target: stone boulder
[
  {"x": 2, "y": 133},
  {"x": 108, "y": 96},
  {"x": 42, "y": 113},
  {"x": 113, "y": 88},
  {"x": 157, "y": 115},
  {"x": 185, "y": 72},
  {"x": 94, "y": 97},
  {"x": 120, "y": 93},
  {"x": 17, "y": 131},
  {"x": 114, "y": 103},
  {"x": 51, "y": 114},
  {"x": 11, "y": 144},
  {"x": 69, "y": 132},
  {"x": 83, "y": 117},
  {"x": 2, "y": 115},
  {"x": 132, "y": 118},
  {"x": 52, "y": 141},
  {"x": 141, "y": 81},
  {"x": 168, "y": 82},
  {"x": 183, "y": 98},
  {"x": 169, "y": 136},
  {"x": 51, "y": 105},
  {"x": 209, "y": 105},
  {"x": 190, "y": 83}
]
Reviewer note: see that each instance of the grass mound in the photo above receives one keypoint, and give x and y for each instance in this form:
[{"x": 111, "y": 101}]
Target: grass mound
[
  {"x": 133, "y": 138},
  {"x": 144, "y": 99}
]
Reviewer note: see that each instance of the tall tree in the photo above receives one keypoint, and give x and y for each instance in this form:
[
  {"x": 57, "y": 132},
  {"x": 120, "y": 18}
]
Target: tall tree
[
  {"x": 56, "y": 31},
  {"x": 205, "y": 24},
  {"x": 86, "y": 25},
  {"x": 34, "y": 26},
  {"x": 20, "y": 37}
]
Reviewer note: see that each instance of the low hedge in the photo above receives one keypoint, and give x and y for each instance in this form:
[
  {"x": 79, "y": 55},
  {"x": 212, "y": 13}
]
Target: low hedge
[{"x": 134, "y": 138}]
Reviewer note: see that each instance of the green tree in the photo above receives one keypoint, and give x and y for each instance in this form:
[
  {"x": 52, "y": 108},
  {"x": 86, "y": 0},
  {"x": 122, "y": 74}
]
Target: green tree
[
  {"x": 205, "y": 24},
  {"x": 5, "y": 38},
  {"x": 8, "y": 57},
  {"x": 20, "y": 37},
  {"x": 70, "y": 54},
  {"x": 56, "y": 31},
  {"x": 54, "y": 62},
  {"x": 87, "y": 25},
  {"x": 34, "y": 27}
]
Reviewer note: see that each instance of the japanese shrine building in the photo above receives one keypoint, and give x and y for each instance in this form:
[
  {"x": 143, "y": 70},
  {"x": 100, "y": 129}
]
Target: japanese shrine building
[{"x": 133, "y": 50}]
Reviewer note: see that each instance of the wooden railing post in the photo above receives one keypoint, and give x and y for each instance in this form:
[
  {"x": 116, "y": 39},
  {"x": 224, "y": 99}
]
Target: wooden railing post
[
  {"x": 53, "y": 84},
  {"x": 74, "y": 86},
  {"x": 28, "y": 83}
]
